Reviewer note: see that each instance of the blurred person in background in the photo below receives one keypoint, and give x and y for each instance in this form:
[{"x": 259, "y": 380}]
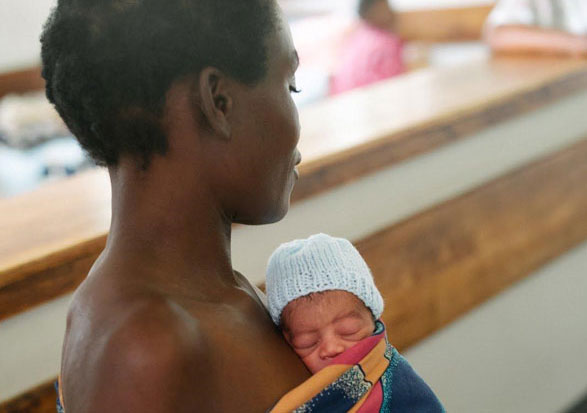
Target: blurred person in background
[
  {"x": 343, "y": 45},
  {"x": 538, "y": 26},
  {"x": 372, "y": 52}
]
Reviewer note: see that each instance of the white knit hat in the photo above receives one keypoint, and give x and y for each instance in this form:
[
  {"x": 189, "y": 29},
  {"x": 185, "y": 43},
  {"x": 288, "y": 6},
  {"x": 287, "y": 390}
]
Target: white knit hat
[{"x": 319, "y": 263}]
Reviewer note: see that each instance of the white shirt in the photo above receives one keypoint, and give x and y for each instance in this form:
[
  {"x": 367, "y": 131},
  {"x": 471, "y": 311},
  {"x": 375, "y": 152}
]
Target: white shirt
[{"x": 565, "y": 15}]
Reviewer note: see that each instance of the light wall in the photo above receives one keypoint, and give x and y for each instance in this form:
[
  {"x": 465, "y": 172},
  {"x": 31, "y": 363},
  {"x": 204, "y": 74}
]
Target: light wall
[{"x": 21, "y": 22}]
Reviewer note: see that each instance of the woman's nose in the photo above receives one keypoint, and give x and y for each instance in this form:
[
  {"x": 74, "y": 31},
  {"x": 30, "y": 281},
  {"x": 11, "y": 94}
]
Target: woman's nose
[{"x": 331, "y": 348}]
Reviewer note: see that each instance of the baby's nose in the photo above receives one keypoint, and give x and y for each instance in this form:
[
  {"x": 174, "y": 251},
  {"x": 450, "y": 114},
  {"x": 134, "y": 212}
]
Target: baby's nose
[{"x": 331, "y": 348}]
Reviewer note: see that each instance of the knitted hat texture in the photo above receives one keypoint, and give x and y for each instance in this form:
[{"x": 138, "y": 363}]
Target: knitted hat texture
[{"x": 318, "y": 263}]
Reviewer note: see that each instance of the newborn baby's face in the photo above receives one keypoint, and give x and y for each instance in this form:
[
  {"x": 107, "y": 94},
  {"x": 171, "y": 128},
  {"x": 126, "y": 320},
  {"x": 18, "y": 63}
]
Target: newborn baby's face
[{"x": 321, "y": 326}]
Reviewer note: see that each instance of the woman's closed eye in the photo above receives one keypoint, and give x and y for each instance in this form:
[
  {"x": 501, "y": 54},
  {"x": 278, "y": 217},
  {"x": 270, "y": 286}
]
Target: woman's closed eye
[{"x": 293, "y": 89}]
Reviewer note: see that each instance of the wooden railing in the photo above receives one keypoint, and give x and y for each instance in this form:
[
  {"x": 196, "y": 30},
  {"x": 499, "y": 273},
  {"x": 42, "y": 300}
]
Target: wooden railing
[{"x": 21, "y": 81}]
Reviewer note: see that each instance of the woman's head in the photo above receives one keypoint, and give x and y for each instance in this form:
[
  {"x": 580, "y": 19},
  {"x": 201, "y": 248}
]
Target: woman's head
[
  {"x": 109, "y": 63},
  {"x": 112, "y": 67}
]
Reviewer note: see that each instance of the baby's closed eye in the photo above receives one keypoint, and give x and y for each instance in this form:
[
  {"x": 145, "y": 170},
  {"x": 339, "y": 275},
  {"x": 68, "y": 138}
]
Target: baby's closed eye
[
  {"x": 353, "y": 336},
  {"x": 304, "y": 343},
  {"x": 349, "y": 327}
]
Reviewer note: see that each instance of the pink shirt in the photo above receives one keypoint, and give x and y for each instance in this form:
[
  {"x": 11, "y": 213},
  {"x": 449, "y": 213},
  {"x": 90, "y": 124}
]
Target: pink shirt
[{"x": 369, "y": 55}]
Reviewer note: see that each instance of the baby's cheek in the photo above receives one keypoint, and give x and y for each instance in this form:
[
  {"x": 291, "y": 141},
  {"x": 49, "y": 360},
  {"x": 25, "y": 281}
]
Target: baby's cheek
[
  {"x": 301, "y": 354},
  {"x": 313, "y": 363}
]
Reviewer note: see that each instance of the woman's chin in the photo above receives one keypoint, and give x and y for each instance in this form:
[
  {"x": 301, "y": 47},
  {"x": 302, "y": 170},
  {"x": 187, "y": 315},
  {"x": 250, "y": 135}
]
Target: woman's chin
[{"x": 267, "y": 217}]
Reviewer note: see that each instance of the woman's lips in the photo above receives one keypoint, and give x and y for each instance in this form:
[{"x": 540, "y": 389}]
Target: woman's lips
[{"x": 298, "y": 160}]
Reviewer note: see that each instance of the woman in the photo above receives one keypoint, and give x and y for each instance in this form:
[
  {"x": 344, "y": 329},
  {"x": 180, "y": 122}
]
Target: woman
[
  {"x": 187, "y": 102},
  {"x": 538, "y": 26}
]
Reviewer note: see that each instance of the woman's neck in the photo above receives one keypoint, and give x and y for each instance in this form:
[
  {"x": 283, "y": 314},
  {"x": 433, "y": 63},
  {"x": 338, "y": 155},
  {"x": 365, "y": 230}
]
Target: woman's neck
[{"x": 172, "y": 227}]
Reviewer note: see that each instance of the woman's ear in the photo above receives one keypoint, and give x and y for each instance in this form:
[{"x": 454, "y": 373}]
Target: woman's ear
[{"x": 216, "y": 100}]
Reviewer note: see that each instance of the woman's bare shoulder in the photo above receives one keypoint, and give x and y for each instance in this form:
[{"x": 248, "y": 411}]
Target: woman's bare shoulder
[
  {"x": 142, "y": 349},
  {"x": 142, "y": 361}
]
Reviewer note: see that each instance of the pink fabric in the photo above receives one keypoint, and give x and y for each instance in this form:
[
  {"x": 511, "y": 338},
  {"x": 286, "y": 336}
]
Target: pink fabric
[
  {"x": 374, "y": 400},
  {"x": 354, "y": 354},
  {"x": 370, "y": 55}
]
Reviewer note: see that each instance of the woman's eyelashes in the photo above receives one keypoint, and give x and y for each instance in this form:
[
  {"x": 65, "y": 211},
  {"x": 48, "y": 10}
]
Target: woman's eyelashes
[{"x": 293, "y": 89}]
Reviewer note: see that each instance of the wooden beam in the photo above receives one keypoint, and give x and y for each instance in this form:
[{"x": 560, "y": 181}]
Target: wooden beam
[
  {"x": 442, "y": 25},
  {"x": 21, "y": 81},
  {"x": 50, "y": 281},
  {"x": 452, "y": 24},
  {"x": 50, "y": 239},
  {"x": 438, "y": 265}
]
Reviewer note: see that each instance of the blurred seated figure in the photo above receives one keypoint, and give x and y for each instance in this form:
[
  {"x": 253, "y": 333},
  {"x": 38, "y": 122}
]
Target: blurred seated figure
[
  {"x": 538, "y": 26},
  {"x": 372, "y": 52},
  {"x": 343, "y": 45}
]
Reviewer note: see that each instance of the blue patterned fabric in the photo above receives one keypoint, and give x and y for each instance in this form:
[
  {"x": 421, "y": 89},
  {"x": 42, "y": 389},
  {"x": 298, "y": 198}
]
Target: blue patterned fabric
[
  {"x": 409, "y": 393},
  {"x": 59, "y": 405}
]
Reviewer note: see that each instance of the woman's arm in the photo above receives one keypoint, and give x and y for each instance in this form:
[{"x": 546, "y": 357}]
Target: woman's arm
[{"x": 529, "y": 39}]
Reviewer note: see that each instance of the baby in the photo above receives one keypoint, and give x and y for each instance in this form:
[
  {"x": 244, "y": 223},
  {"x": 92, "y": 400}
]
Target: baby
[{"x": 321, "y": 294}]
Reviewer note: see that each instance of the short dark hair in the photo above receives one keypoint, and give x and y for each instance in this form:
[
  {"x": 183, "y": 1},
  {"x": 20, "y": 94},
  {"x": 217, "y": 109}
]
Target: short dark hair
[{"x": 109, "y": 63}]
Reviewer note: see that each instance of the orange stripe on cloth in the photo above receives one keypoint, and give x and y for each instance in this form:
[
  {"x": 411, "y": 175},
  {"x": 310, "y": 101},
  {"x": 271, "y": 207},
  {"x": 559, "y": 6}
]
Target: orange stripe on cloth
[
  {"x": 310, "y": 388},
  {"x": 60, "y": 390}
]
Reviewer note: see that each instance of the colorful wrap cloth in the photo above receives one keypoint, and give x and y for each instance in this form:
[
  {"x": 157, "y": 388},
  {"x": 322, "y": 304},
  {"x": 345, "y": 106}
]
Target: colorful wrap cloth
[{"x": 369, "y": 377}]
